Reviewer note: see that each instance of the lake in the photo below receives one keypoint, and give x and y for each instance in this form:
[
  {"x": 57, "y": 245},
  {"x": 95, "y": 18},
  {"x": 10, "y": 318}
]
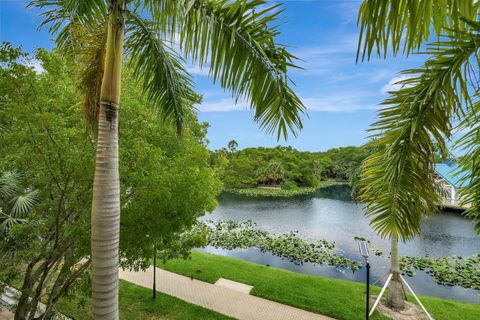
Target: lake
[{"x": 331, "y": 214}]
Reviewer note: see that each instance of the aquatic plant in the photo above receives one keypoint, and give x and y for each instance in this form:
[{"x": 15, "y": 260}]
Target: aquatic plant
[
  {"x": 227, "y": 234},
  {"x": 449, "y": 271}
]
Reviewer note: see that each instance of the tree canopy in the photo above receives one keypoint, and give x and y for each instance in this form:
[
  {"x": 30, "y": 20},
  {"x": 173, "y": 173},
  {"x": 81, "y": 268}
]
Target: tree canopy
[
  {"x": 166, "y": 182},
  {"x": 291, "y": 168}
]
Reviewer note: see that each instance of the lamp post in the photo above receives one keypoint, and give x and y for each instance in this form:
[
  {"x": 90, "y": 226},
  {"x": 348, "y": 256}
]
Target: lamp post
[
  {"x": 154, "y": 273},
  {"x": 363, "y": 248}
]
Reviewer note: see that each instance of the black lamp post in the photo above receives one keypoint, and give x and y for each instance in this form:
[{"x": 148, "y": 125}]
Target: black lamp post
[
  {"x": 154, "y": 273},
  {"x": 363, "y": 248}
]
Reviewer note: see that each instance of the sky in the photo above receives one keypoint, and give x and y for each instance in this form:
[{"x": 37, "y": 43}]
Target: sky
[{"x": 342, "y": 97}]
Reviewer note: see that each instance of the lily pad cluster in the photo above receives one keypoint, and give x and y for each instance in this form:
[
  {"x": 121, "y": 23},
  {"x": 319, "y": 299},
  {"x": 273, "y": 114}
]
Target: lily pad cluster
[
  {"x": 228, "y": 234},
  {"x": 233, "y": 235},
  {"x": 449, "y": 271}
]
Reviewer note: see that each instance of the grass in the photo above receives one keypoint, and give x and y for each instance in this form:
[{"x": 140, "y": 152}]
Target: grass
[
  {"x": 282, "y": 193},
  {"x": 337, "y": 298},
  {"x": 137, "y": 303}
]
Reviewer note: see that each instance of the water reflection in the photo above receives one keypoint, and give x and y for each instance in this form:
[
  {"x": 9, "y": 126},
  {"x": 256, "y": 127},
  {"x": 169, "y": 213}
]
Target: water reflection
[{"x": 332, "y": 214}]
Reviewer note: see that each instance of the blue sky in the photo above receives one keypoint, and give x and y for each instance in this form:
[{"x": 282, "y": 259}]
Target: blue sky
[{"x": 341, "y": 96}]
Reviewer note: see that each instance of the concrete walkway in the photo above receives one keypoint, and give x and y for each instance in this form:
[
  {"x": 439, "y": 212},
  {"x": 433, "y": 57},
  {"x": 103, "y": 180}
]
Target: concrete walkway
[
  {"x": 227, "y": 301},
  {"x": 5, "y": 314}
]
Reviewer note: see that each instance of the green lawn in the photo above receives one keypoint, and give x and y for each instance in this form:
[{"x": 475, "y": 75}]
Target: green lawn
[
  {"x": 337, "y": 298},
  {"x": 136, "y": 303}
]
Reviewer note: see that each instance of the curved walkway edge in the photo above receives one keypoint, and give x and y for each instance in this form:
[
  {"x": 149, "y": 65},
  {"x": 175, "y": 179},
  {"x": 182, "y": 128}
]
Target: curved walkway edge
[{"x": 223, "y": 300}]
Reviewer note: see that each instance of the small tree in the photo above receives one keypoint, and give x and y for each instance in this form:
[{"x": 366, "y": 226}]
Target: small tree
[
  {"x": 232, "y": 146},
  {"x": 272, "y": 174}
]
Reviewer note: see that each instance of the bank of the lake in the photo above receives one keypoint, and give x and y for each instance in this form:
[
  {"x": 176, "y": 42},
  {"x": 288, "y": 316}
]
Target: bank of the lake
[
  {"x": 284, "y": 193},
  {"x": 331, "y": 214},
  {"x": 337, "y": 298}
]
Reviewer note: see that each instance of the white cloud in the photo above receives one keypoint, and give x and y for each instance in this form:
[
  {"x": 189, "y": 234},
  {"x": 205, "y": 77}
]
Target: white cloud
[
  {"x": 393, "y": 84},
  {"x": 196, "y": 70},
  {"x": 223, "y": 105},
  {"x": 339, "y": 103},
  {"x": 335, "y": 102},
  {"x": 36, "y": 65}
]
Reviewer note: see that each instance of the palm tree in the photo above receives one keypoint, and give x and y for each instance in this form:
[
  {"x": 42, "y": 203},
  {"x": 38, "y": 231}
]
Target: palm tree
[
  {"x": 397, "y": 182},
  {"x": 233, "y": 39}
]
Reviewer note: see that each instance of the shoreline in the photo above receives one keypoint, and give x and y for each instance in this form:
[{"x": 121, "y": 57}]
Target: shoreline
[
  {"x": 283, "y": 193},
  {"x": 338, "y": 298}
]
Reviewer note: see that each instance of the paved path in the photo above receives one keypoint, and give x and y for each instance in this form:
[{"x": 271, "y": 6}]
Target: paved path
[
  {"x": 5, "y": 314},
  {"x": 223, "y": 300}
]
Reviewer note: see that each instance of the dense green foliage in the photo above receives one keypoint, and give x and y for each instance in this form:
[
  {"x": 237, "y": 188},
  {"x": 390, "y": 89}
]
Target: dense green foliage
[
  {"x": 166, "y": 181},
  {"x": 340, "y": 299},
  {"x": 46, "y": 142},
  {"x": 136, "y": 304},
  {"x": 285, "y": 166}
]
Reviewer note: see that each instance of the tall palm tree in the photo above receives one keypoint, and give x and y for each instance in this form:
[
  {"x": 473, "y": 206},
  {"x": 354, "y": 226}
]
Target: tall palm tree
[
  {"x": 235, "y": 40},
  {"x": 397, "y": 181}
]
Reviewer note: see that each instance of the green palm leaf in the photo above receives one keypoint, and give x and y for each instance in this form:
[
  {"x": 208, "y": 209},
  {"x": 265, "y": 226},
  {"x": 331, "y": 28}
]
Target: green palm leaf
[
  {"x": 397, "y": 182},
  {"x": 16, "y": 202},
  {"x": 164, "y": 79},
  {"x": 470, "y": 165},
  {"x": 235, "y": 40},
  {"x": 408, "y": 23}
]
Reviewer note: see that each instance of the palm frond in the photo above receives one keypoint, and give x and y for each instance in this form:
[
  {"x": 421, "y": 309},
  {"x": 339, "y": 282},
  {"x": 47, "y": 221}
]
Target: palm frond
[
  {"x": 80, "y": 30},
  {"x": 15, "y": 201},
  {"x": 88, "y": 50},
  {"x": 397, "y": 182},
  {"x": 236, "y": 41},
  {"x": 10, "y": 185},
  {"x": 408, "y": 23},
  {"x": 19, "y": 206},
  {"x": 470, "y": 163},
  {"x": 7, "y": 222},
  {"x": 164, "y": 79},
  {"x": 57, "y": 14}
]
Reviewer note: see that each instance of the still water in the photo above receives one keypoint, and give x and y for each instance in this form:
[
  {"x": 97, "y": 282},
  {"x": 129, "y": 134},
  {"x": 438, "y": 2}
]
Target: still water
[{"x": 331, "y": 214}]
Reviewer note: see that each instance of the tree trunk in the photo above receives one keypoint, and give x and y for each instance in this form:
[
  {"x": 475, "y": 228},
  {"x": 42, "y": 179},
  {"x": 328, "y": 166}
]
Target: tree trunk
[
  {"x": 21, "y": 311},
  {"x": 395, "y": 297},
  {"x": 106, "y": 186}
]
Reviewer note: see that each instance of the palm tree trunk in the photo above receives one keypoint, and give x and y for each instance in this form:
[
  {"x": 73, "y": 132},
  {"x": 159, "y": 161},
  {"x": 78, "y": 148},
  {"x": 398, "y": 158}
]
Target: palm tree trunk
[
  {"x": 395, "y": 297},
  {"x": 106, "y": 185}
]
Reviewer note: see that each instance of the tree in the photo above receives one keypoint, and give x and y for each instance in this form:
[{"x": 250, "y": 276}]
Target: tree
[
  {"x": 237, "y": 41},
  {"x": 166, "y": 183},
  {"x": 397, "y": 179},
  {"x": 232, "y": 146},
  {"x": 47, "y": 143},
  {"x": 272, "y": 174}
]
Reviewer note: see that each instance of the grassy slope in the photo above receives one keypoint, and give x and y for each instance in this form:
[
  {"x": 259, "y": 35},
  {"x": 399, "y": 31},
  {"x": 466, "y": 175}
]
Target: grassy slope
[
  {"x": 337, "y": 298},
  {"x": 137, "y": 303}
]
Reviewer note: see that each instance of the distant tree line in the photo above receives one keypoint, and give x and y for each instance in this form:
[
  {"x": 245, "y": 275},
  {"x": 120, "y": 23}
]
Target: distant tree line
[{"x": 284, "y": 166}]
